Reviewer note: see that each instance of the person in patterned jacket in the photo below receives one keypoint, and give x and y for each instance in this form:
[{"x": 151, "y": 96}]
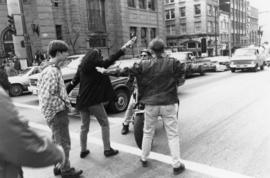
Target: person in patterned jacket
[{"x": 54, "y": 103}]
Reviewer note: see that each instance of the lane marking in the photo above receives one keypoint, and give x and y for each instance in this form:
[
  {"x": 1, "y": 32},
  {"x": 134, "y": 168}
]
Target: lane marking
[{"x": 193, "y": 166}]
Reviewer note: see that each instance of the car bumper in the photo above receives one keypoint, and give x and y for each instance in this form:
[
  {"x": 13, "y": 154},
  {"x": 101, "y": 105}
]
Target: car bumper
[{"x": 242, "y": 66}]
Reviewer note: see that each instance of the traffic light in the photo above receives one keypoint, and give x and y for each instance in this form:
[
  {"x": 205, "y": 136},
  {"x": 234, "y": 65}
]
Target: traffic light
[
  {"x": 11, "y": 24},
  {"x": 203, "y": 45}
]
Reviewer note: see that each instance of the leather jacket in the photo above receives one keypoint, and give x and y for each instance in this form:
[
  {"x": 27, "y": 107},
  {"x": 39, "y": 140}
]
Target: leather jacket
[{"x": 157, "y": 79}]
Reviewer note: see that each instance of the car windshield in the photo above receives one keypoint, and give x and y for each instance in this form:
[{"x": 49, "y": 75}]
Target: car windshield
[
  {"x": 179, "y": 56},
  {"x": 25, "y": 71},
  {"x": 245, "y": 52},
  {"x": 74, "y": 61}
]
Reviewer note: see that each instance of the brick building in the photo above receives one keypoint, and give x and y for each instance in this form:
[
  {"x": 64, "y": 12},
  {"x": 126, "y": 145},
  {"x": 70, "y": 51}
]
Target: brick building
[
  {"x": 105, "y": 24},
  {"x": 191, "y": 23}
]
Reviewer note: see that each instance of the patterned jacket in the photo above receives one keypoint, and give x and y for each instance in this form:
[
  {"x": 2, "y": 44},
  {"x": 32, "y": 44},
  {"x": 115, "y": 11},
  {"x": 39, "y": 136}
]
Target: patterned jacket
[{"x": 52, "y": 94}]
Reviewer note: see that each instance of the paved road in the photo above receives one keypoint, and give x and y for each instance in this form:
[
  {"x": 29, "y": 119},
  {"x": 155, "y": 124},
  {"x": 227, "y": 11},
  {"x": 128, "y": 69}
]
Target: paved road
[{"x": 224, "y": 123}]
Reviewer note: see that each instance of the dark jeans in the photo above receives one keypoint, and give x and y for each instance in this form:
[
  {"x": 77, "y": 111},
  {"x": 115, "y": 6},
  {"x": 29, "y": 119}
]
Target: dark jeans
[
  {"x": 99, "y": 112},
  {"x": 60, "y": 134}
]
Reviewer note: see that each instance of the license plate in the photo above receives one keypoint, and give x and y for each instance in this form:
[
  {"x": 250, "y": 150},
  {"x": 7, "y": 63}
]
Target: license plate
[
  {"x": 241, "y": 66},
  {"x": 35, "y": 92}
]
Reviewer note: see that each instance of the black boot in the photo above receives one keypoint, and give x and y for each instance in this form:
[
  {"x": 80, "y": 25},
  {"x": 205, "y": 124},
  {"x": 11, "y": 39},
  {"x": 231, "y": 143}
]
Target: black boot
[
  {"x": 71, "y": 173},
  {"x": 110, "y": 152},
  {"x": 125, "y": 129},
  {"x": 83, "y": 154}
]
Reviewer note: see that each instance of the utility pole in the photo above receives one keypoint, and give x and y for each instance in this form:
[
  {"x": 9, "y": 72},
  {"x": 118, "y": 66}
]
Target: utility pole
[
  {"x": 20, "y": 38},
  {"x": 26, "y": 36},
  {"x": 230, "y": 23},
  {"x": 216, "y": 29}
]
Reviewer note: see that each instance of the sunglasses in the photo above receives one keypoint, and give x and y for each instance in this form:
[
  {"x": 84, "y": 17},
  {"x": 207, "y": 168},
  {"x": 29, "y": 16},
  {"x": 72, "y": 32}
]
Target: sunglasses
[{"x": 144, "y": 55}]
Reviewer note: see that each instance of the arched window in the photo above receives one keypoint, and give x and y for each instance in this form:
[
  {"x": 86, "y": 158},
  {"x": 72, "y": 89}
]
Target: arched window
[{"x": 8, "y": 43}]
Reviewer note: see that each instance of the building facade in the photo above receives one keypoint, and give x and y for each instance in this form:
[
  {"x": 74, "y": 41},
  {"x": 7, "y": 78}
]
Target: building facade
[
  {"x": 239, "y": 20},
  {"x": 253, "y": 25},
  {"x": 224, "y": 21},
  {"x": 84, "y": 24},
  {"x": 192, "y": 25}
]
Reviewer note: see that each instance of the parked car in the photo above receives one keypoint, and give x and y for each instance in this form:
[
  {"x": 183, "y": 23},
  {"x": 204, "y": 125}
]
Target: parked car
[
  {"x": 267, "y": 60},
  {"x": 120, "y": 86},
  {"x": 250, "y": 58},
  {"x": 219, "y": 63},
  {"x": 193, "y": 65},
  {"x": 20, "y": 83},
  {"x": 68, "y": 71}
]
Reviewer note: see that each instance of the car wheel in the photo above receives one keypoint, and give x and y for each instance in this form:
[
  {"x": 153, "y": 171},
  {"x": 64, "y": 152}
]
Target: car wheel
[
  {"x": 15, "y": 90},
  {"x": 262, "y": 67},
  {"x": 122, "y": 101},
  {"x": 255, "y": 69},
  {"x": 232, "y": 70},
  {"x": 202, "y": 72}
]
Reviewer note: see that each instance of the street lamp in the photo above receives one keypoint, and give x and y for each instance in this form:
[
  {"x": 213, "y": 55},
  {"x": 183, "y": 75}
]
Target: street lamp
[{"x": 260, "y": 34}]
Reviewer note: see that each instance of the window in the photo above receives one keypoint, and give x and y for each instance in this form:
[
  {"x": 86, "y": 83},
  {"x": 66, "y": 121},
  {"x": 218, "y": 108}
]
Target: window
[
  {"x": 197, "y": 9},
  {"x": 170, "y": 28},
  {"x": 182, "y": 11},
  {"x": 142, "y": 4},
  {"x": 209, "y": 10},
  {"x": 183, "y": 28},
  {"x": 131, "y": 3},
  {"x": 170, "y": 14},
  {"x": 144, "y": 35},
  {"x": 209, "y": 26},
  {"x": 58, "y": 29},
  {"x": 197, "y": 27},
  {"x": 169, "y": 1},
  {"x": 96, "y": 15},
  {"x": 152, "y": 5},
  {"x": 97, "y": 41},
  {"x": 132, "y": 31},
  {"x": 153, "y": 33},
  {"x": 55, "y": 3},
  {"x": 191, "y": 45},
  {"x": 3, "y": 1}
]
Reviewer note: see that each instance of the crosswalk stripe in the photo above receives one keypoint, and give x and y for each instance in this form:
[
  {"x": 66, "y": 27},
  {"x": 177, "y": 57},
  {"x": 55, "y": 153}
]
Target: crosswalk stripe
[{"x": 193, "y": 166}]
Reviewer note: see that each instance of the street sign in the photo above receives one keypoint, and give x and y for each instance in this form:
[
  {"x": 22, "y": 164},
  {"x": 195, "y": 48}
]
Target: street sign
[
  {"x": 13, "y": 7},
  {"x": 18, "y": 24}
]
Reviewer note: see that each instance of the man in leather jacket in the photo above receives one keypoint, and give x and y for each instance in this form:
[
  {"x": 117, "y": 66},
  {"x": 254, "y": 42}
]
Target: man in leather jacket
[{"x": 157, "y": 90}]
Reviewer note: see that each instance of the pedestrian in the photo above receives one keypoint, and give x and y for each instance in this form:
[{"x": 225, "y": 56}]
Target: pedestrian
[
  {"x": 39, "y": 57},
  {"x": 157, "y": 89},
  {"x": 17, "y": 64},
  {"x": 55, "y": 103},
  {"x": 4, "y": 82},
  {"x": 8, "y": 68},
  {"x": 19, "y": 145},
  {"x": 95, "y": 89},
  {"x": 145, "y": 55}
]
